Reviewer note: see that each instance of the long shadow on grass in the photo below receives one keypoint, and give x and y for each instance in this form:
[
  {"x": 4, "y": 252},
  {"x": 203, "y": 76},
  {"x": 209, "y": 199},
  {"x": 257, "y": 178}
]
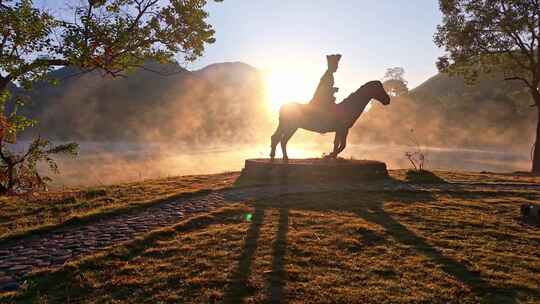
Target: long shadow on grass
[
  {"x": 239, "y": 288},
  {"x": 401, "y": 233},
  {"x": 370, "y": 206},
  {"x": 278, "y": 277}
]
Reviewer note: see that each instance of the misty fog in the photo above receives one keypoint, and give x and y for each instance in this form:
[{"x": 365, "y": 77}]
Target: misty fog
[
  {"x": 211, "y": 120},
  {"x": 107, "y": 163}
]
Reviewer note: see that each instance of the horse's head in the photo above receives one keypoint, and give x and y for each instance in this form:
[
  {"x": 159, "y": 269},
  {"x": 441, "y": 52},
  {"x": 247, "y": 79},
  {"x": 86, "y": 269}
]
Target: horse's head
[{"x": 375, "y": 90}]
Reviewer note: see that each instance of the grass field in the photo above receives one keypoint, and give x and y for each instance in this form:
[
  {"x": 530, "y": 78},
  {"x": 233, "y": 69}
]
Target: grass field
[
  {"x": 22, "y": 215},
  {"x": 335, "y": 247}
]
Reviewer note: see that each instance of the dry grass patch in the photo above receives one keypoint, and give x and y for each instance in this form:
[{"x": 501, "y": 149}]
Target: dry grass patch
[
  {"x": 476, "y": 177},
  {"x": 337, "y": 247},
  {"x": 23, "y": 214}
]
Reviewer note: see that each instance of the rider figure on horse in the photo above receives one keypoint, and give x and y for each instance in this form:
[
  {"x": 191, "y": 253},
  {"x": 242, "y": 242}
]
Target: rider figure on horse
[{"x": 324, "y": 99}]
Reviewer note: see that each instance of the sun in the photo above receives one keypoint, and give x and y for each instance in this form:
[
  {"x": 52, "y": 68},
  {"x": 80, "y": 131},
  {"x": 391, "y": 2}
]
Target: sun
[{"x": 283, "y": 86}]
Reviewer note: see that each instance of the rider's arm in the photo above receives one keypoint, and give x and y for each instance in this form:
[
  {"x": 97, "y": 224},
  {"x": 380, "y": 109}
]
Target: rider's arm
[{"x": 326, "y": 84}]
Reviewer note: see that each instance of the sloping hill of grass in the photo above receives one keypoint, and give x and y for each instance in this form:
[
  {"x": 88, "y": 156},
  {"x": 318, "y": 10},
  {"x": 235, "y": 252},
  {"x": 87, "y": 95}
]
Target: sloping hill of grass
[
  {"x": 347, "y": 247},
  {"x": 21, "y": 216},
  {"x": 24, "y": 215},
  {"x": 168, "y": 104},
  {"x": 445, "y": 112}
]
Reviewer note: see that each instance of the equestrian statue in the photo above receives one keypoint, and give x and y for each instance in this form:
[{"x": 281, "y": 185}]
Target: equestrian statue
[{"x": 323, "y": 115}]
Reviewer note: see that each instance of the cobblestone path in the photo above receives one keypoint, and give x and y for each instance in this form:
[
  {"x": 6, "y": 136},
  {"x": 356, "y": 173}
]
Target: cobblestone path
[{"x": 52, "y": 249}]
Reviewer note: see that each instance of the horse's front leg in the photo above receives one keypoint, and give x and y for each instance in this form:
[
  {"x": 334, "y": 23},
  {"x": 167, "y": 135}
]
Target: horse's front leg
[
  {"x": 337, "y": 141},
  {"x": 286, "y": 135},
  {"x": 342, "y": 141},
  {"x": 275, "y": 139}
]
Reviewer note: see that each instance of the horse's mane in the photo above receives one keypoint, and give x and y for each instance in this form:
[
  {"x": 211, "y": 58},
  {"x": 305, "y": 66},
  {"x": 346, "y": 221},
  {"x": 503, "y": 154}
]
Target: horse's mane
[{"x": 356, "y": 94}]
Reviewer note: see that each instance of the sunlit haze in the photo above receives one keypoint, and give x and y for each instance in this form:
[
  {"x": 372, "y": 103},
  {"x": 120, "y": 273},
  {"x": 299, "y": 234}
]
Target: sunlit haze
[
  {"x": 269, "y": 151},
  {"x": 287, "y": 86},
  {"x": 288, "y": 40}
]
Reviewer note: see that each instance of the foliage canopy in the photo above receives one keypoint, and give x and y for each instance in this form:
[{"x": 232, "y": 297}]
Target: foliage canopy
[
  {"x": 111, "y": 36},
  {"x": 487, "y": 36}
]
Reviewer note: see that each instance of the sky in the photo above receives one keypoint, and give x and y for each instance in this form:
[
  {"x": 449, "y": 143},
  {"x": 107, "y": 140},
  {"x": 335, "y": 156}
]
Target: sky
[{"x": 288, "y": 40}]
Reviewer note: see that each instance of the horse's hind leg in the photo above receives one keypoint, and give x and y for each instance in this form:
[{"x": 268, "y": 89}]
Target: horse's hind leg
[
  {"x": 275, "y": 139},
  {"x": 287, "y": 134}
]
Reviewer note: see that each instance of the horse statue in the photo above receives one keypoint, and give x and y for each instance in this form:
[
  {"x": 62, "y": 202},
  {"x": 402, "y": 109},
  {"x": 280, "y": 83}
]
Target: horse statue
[{"x": 338, "y": 118}]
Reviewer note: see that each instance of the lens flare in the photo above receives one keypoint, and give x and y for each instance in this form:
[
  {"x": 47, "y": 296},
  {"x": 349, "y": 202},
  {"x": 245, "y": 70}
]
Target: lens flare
[{"x": 283, "y": 86}]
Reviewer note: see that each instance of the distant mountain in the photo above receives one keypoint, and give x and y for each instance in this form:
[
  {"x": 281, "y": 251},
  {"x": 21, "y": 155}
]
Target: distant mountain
[
  {"x": 224, "y": 103},
  {"x": 221, "y": 102},
  {"x": 444, "y": 111}
]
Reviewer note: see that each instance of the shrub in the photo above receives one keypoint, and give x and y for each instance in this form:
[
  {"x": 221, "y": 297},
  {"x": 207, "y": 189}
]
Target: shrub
[{"x": 19, "y": 171}]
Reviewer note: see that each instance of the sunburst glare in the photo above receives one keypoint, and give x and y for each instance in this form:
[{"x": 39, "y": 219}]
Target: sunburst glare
[{"x": 283, "y": 86}]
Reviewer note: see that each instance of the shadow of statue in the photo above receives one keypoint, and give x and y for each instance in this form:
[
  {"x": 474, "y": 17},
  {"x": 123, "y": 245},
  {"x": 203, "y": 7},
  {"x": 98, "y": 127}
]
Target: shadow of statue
[
  {"x": 401, "y": 233},
  {"x": 238, "y": 289},
  {"x": 278, "y": 277},
  {"x": 374, "y": 212}
]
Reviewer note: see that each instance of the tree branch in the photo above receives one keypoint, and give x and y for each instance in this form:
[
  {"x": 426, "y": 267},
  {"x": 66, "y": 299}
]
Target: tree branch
[
  {"x": 159, "y": 72},
  {"x": 141, "y": 11},
  {"x": 515, "y": 36},
  {"x": 508, "y": 52},
  {"x": 30, "y": 150},
  {"x": 7, "y": 160},
  {"x": 78, "y": 74},
  {"x": 520, "y": 79},
  {"x": 4, "y": 40},
  {"x": 36, "y": 64}
]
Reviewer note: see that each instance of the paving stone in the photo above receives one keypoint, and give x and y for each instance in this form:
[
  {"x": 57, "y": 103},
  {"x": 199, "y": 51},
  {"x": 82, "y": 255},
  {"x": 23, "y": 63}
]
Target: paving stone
[
  {"x": 72, "y": 246},
  {"x": 6, "y": 265},
  {"x": 11, "y": 286},
  {"x": 62, "y": 257},
  {"x": 41, "y": 263},
  {"x": 55, "y": 247},
  {"x": 5, "y": 279},
  {"x": 20, "y": 267},
  {"x": 20, "y": 260}
]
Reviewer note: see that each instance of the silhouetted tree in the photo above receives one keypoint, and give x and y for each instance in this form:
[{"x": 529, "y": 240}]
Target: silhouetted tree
[
  {"x": 493, "y": 36},
  {"x": 394, "y": 82},
  {"x": 111, "y": 36}
]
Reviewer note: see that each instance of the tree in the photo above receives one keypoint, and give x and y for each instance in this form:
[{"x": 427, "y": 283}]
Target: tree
[
  {"x": 110, "y": 36},
  {"x": 394, "y": 82},
  {"x": 493, "y": 36}
]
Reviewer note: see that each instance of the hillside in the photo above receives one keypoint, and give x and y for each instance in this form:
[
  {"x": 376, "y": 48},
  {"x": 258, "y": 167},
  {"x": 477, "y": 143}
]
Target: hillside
[
  {"x": 444, "y": 111},
  {"x": 210, "y": 104},
  {"x": 461, "y": 240},
  {"x": 224, "y": 103}
]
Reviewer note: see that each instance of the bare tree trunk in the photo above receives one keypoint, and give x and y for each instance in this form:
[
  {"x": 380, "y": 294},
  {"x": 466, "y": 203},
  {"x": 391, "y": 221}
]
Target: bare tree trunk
[
  {"x": 536, "y": 154},
  {"x": 11, "y": 179},
  {"x": 3, "y": 83}
]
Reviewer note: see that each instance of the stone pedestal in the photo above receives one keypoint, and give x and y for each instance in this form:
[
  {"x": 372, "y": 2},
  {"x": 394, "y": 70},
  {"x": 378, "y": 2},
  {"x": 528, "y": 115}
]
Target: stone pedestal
[{"x": 312, "y": 170}]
